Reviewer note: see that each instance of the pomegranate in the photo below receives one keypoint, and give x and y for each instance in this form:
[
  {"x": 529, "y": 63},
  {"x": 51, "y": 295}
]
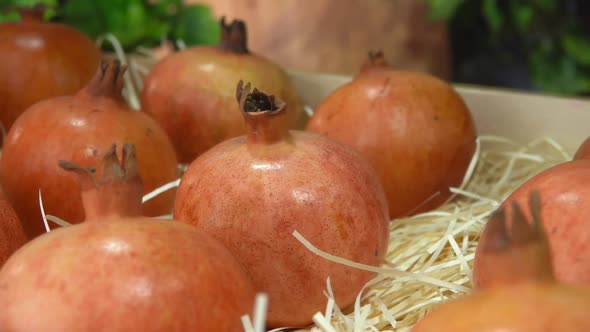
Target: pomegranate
[
  {"x": 79, "y": 128},
  {"x": 252, "y": 192},
  {"x": 40, "y": 60},
  {"x": 119, "y": 271},
  {"x": 413, "y": 128},
  {"x": 12, "y": 235},
  {"x": 525, "y": 296},
  {"x": 566, "y": 208},
  {"x": 190, "y": 92}
]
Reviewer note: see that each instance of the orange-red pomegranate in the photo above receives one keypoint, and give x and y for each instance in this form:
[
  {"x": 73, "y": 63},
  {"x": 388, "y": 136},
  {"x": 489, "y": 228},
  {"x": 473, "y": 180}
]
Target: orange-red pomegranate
[
  {"x": 80, "y": 128},
  {"x": 191, "y": 92},
  {"x": 523, "y": 295},
  {"x": 12, "y": 235},
  {"x": 566, "y": 217},
  {"x": 119, "y": 271},
  {"x": 252, "y": 192},
  {"x": 413, "y": 128},
  {"x": 40, "y": 60}
]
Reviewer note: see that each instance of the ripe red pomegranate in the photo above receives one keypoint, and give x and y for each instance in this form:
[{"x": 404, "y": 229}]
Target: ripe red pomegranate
[
  {"x": 190, "y": 92},
  {"x": 252, "y": 192},
  {"x": 80, "y": 128},
  {"x": 40, "y": 60},
  {"x": 118, "y": 271},
  {"x": 524, "y": 296},
  {"x": 566, "y": 211},
  {"x": 12, "y": 235},
  {"x": 413, "y": 128}
]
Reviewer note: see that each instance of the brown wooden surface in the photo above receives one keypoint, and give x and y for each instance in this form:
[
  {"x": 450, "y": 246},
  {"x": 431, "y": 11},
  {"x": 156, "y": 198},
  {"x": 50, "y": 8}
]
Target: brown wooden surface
[{"x": 334, "y": 36}]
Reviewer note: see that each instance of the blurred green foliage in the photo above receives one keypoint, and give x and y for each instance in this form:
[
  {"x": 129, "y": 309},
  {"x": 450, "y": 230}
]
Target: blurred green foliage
[
  {"x": 134, "y": 22},
  {"x": 552, "y": 37}
]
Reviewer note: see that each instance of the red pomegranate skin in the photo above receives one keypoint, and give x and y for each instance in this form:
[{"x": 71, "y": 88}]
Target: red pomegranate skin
[
  {"x": 527, "y": 307},
  {"x": 565, "y": 211},
  {"x": 119, "y": 275},
  {"x": 414, "y": 129},
  {"x": 254, "y": 191},
  {"x": 78, "y": 128},
  {"x": 191, "y": 95},
  {"x": 41, "y": 60},
  {"x": 12, "y": 235}
]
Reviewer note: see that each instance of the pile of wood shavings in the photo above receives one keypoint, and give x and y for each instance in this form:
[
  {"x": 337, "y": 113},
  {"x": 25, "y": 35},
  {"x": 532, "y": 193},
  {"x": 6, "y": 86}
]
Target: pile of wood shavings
[{"x": 438, "y": 247}]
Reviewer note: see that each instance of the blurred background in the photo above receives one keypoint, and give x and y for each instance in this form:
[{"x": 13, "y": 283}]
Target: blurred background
[{"x": 535, "y": 45}]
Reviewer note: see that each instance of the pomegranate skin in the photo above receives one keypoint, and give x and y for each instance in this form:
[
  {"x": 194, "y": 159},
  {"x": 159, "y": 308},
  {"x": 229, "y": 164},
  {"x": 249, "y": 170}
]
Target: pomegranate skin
[
  {"x": 41, "y": 60},
  {"x": 523, "y": 296},
  {"x": 565, "y": 212},
  {"x": 79, "y": 128},
  {"x": 190, "y": 94},
  {"x": 252, "y": 198},
  {"x": 523, "y": 308},
  {"x": 134, "y": 274},
  {"x": 414, "y": 129},
  {"x": 12, "y": 235}
]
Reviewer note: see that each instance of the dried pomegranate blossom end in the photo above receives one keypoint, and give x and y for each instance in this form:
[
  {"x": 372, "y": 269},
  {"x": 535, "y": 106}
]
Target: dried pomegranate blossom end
[
  {"x": 521, "y": 253},
  {"x": 264, "y": 115},
  {"x": 375, "y": 62},
  {"x": 117, "y": 191},
  {"x": 259, "y": 102},
  {"x": 107, "y": 82},
  {"x": 234, "y": 37}
]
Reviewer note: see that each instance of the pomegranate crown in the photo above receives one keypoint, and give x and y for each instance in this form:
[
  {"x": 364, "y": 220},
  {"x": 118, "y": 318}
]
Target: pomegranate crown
[
  {"x": 522, "y": 232},
  {"x": 254, "y": 101}
]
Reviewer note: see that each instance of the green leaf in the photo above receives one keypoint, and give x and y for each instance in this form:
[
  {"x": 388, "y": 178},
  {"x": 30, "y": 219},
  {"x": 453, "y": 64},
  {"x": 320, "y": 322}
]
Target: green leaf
[
  {"x": 13, "y": 16},
  {"x": 493, "y": 15},
  {"x": 164, "y": 8},
  {"x": 26, "y": 3},
  {"x": 196, "y": 25},
  {"x": 443, "y": 9},
  {"x": 546, "y": 4},
  {"x": 578, "y": 48},
  {"x": 128, "y": 20},
  {"x": 560, "y": 76},
  {"x": 522, "y": 15},
  {"x": 9, "y": 17}
]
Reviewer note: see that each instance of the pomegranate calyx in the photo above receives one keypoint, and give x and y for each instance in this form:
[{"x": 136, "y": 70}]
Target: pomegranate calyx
[
  {"x": 263, "y": 115},
  {"x": 108, "y": 80},
  {"x": 522, "y": 233},
  {"x": 118, "y": 188},
  {"x": 259, "y": 102},
  {"x": 234, "y": 36},
  {"x": 86, "y": 174},
  {"x": 255, "y": 101},
  {"x": 522, "y": 251},
  {"x": 375, "y": 60}
]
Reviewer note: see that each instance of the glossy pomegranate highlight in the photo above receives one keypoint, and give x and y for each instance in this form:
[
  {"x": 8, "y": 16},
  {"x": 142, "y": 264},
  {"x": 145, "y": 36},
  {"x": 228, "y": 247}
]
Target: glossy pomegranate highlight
[{"x": 40, "y": 60}]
